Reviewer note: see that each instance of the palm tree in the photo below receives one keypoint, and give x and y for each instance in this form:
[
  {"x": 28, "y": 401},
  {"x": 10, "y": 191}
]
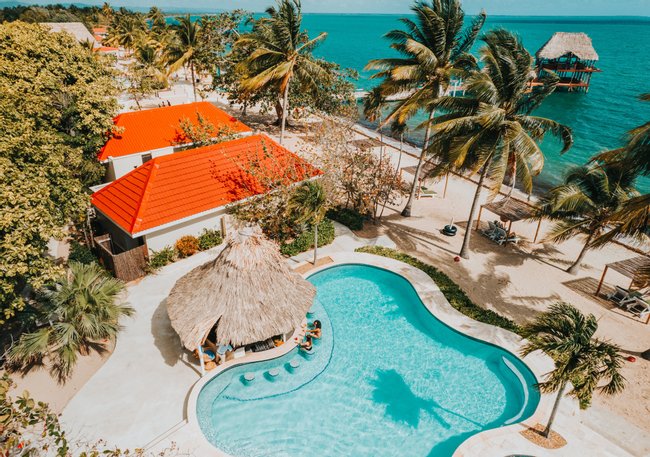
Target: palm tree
[
  {"x": 182, "y": 51},
  {"x": 491, "y": 130},
  {"x": 79, "y": 312},
  {"x": 281, "y": 50},
  {"x": 309, "y": 204},
  {"x": 587, "y": 203},
  {"x": 374, "y": 104},
  {"x": 633, "y": 219},
  {"x": 434, "y": 48},
  {"x": 126, "y": 29},
  {"x": 567, "y": 336}
]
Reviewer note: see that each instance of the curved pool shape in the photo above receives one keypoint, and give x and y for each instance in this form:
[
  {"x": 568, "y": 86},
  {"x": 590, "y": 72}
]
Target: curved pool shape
[{"x": 386, "y": 379}]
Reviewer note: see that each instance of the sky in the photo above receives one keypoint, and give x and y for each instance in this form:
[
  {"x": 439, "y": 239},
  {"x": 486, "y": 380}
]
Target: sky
[{"x": 493, "y": 7}]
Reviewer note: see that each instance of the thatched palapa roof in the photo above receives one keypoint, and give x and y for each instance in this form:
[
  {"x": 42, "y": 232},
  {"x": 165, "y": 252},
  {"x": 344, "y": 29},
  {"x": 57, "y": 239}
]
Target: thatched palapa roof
[
  {"x": 562, "y": 43},
  {"x": 249, "y": 290},
  {"x": 77, "y": 29}
]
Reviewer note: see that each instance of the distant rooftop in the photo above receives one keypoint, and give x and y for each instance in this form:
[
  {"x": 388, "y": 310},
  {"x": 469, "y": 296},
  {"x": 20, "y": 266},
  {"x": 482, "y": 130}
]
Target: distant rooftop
[
  {"x": 76, "y": 29},
  {"x": 563, "y": 43}
]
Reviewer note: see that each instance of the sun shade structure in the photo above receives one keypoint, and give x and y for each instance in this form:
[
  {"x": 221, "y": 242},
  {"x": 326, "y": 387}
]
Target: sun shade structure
[
  {"x": 571, "y": 56},
  {"x": 158, "y": 128},
  {"x": 173, "y": 187},
  {"x": 249, "y": 291},
  {"x": 510, "y": 210},
  {"x": 629, "y": 268}
]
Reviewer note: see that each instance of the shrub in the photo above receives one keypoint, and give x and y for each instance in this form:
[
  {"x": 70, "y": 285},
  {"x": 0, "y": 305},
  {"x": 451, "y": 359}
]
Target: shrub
[
  {"x": 81, "y": 253},
  {"x": 187, "y": 246},
  {"x": 305, "y": 241},
  {"x": 209, "y": 239},
  {"x": 349, "y": 217},
  {"x": 159, "y": 259},
  {"x": 452, "y": 292}
]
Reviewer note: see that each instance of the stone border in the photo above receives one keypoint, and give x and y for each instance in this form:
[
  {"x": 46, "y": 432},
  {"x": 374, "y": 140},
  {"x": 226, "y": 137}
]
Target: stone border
[{"x": 439, "y": 307}]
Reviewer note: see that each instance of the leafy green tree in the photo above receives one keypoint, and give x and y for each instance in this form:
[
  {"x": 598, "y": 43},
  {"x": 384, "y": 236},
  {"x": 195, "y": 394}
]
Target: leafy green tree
[
  {"x": 308, "y": 204},
  {"x": 57, "y": 101},
  {"x": 588, "y": 363},
  {"x": 279, "y": 52},
  {"x": 77, "y": 313},
  {"x": 587, "y": 203},
  {"x": 491, "y": 130},
  {"x": 433, "y": 49}
]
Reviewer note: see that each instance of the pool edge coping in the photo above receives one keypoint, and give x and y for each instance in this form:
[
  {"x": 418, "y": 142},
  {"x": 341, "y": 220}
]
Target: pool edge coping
[{"x": 436, "y": 303}]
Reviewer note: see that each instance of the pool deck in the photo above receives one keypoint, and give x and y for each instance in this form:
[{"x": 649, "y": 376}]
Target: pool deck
[{"x": 143, "y": 396}]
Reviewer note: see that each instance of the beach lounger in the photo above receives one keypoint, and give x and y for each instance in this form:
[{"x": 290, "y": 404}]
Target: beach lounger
[
  {"x": 638, "y": 307},
  {"x": 621, "y": 296}
]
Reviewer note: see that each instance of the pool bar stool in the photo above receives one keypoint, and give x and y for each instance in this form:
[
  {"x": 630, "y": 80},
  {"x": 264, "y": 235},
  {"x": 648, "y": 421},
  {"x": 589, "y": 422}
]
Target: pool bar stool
[
  {"x": 249, "y": 377},
  {"x": 294, "y": 364},
  {"x": 272, "y": 374}
]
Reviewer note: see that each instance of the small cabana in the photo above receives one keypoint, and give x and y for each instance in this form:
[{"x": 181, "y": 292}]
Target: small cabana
[
  {"x": 571, "y": 56},
  {"x": 630, "y": 268},
  {"x": 510, "y": 210},
  {"x": 248, "y": 292}
]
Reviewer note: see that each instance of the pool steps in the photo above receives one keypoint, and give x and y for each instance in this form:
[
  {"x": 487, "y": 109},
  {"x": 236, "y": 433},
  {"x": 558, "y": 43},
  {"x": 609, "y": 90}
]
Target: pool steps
[{"x": 524, "y": 386}]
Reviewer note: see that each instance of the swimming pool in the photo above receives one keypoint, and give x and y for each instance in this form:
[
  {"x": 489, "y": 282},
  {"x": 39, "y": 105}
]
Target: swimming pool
[{"x": 387, "y": 378}]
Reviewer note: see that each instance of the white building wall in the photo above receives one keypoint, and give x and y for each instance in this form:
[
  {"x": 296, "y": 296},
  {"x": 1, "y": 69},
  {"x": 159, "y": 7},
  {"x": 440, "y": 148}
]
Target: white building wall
[
  {"x": 167, "y": 237},
  {"x": 119, "y": 166}
]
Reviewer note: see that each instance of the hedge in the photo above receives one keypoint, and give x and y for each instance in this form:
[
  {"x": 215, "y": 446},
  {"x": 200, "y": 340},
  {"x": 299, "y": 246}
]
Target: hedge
[
  {"x": 452, "y": 292},
  {"x": 349, "y": 217},
  {"x": 81, "y": 253},
  {"x": 305, "y": 241}
]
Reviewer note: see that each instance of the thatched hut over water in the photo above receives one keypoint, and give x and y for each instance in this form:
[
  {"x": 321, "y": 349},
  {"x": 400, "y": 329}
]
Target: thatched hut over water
[
  {"x": 571, "y": 56},
  {"x": 248, "y": 291}
]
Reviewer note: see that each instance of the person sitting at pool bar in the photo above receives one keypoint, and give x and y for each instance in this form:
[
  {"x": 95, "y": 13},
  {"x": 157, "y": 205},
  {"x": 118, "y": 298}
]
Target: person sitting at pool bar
[
  {"x": 307, "y": 344},
  {"x": 316, "y": 330}
]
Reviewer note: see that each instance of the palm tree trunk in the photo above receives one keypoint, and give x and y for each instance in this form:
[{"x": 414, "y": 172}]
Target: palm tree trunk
[
  {"x": 551, "y": 419},
  {"x": 315, "y": 242},
  {"x": 406, "y": 212},
  {"x": 193, "y": 79},
  {"x": 285, "y": 110},
  {"x": 573, "y": 269},
  {"x": 464, "y": 250},
  {"x": 399, "y": 162}
]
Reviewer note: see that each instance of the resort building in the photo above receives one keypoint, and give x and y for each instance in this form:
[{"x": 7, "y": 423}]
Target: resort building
[
  {"x": 140, "y": 136},
  {"x": 571, "y": 56},
  {"x": 173, "y": 195}
]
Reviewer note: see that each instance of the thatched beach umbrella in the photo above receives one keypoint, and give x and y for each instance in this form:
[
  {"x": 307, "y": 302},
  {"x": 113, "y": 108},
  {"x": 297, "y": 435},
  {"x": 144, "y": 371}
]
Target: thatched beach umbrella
[{"x": 248, "y": 290}]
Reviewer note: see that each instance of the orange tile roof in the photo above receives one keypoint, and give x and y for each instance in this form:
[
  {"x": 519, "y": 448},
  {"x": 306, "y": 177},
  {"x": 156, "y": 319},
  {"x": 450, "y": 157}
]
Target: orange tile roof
[
  {"x": 180, "y": 185},
  {"x": 99, "y": 30},
  {"x": 158, "y": 128}
]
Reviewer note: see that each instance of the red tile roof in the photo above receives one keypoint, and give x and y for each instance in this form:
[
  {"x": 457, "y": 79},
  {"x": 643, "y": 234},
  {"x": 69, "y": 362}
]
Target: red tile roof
[
  {"x": 180, "y": 185},
  {"x": 158, "y": 128}
]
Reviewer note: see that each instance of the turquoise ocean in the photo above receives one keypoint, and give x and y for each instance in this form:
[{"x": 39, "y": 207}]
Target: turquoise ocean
[{"x": 599, "y": 118}]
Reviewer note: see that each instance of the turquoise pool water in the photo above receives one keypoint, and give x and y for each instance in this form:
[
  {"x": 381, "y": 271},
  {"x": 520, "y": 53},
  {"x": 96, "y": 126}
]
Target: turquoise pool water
[{"x": 387, "y": 378}]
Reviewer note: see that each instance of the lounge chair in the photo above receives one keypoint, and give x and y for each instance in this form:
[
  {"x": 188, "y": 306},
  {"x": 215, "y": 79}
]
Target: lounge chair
[
  {"x": 511, "y": 239},
  {"x": 638, "y": 307},
  {"x": 620, "y": 296}
]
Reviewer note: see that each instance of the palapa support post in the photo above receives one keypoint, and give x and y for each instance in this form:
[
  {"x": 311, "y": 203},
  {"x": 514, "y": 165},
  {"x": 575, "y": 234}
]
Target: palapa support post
[
  {"x": 602, "y": 279},
  {"x": 223, "y": 227},
  {"x": 509, "y": 229},
  {"x": 201, "y": 361},
  {"x": 478, "y": 219}
]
